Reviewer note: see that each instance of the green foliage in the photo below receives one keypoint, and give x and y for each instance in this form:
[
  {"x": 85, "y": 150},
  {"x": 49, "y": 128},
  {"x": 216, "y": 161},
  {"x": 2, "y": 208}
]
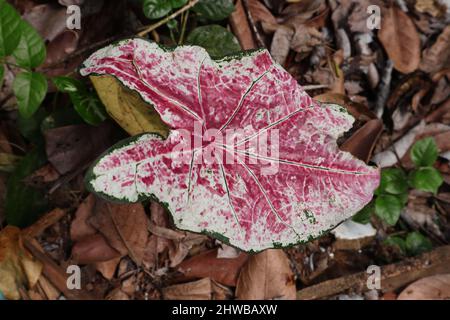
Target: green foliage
[
  {"x": 2, "y": 72},
  {"x": 392, "y": 194},
  {"x": 10, "y": 29},
  {"x": 24, "y": 204},
  {"x": 154, "y": 9},
  {"x": 426, "y": 179},
  {"x": 363, "y": 216},
  {"x": 414, "y": 243},
  {"x": 31, "y": 51},
  {"x": 388, "y": 208},
  {"x": 30, "y": 89},
  {"x": 424, "y": 152},
  {"x": 214, "y": 10},
  {"x": 217, "y": 40},
  {"x": 19, "y": 39},
  {"x": 85, "y": 102}
]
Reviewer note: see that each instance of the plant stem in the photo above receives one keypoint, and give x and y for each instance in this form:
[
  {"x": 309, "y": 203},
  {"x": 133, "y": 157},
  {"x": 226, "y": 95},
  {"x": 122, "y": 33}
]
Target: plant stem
[
  {"x": 183, "y": 27},
  {"x": 152, "y": 27}
]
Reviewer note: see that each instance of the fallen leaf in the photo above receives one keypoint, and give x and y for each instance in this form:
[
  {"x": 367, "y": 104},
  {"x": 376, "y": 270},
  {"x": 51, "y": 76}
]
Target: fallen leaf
[
  {"x": 241, "y": 27},
  {"x": 363, "y": 141},
  {"x": 436, "y": 287},
  {"x": 437, "y": 56},
  {"x": 281, "y": 44},
  {"x": 266, "y": 275},
  {"x": 71, "y": 147},
  {"x": 127, "y": 108},
  {"x": 251, "y": 217},
  {"x": 17, "y": 267},
  {"x": 359, "y": 111},
  {"x": 93, "y": 248},
  {"x": 207, "y": 264},
  {"x": 400, "y": 39},
  {"x": 260, "y": 13},
  {"x": 79, "y": 227},
  {"x": 432, "y": 7},
  {"x": 196, "y": 290},
  {"x": 125, "y": 226}
]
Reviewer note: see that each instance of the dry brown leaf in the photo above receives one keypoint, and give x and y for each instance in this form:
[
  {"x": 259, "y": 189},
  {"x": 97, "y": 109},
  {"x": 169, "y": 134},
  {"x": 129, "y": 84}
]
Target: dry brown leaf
[
  {"x": 432, "y": 7},
  {"x": 359, "y": 111},
  {"x": 222, "y": 270},
  {"x": 260, "y": 13},
  {"x": 363, "y": 141},
  {"x": 196, "y": 290},
  {"x": 266, "y": 275},
  {"x": 436, "y": 287},
  {"x": 400, "y": 39},
  {"x": 125, "y": 226},
  {"x": 93, "y": 248},
  {"x": 281, "y": 44},
  {"x": 17, "y": 267},
  {"x": 241, "y": 27},
  {"x": 437, "y": 57},
  {"x": 80, "y": 228},
  {"x": 108, "y": 268}
]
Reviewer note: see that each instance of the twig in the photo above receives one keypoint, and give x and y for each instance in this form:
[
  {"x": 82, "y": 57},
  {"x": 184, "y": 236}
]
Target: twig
[
  {"x": 251, "y": 21},
  {"x": 152, "y": 27},
  {"x": 184, "y": 20},
  {"x": 315, "y": 87}
]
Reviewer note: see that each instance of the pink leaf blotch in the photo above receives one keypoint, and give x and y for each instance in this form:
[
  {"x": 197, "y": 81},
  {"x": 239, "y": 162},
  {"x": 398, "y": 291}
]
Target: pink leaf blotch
[{"x": 315, "y": 185}]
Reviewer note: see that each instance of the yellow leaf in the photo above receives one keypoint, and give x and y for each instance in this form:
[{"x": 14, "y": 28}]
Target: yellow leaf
[
  {"x": 17, "y": 266},
  {"x": 127, "y": 108}
]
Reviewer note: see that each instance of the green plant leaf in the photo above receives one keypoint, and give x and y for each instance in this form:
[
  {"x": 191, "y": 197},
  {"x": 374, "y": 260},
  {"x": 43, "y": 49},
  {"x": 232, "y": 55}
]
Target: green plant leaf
[
  {"x": 24, "y": 204},
  {"x": 68, "y": 85},
  {"x": 214, "y": 10},
  {"x": 172, "y": 24},
  {"x": 388, "y": 208},
  {"x": 363, "y": 216},
  {"x": 30, "y": 127},
  {"x": 89, "y": 107},
  {"x": 30, "y": 89},
  {"x": 416, "y": 243},
  {"x": 396, "y": 241},
  {"x": 217, "y": 40},
  {"x": 393, "y": 181},
  {"x": 30, "y": 51},
  {"x": 424, "y": 152},
  {"x": 10, "y": 28},
  {"x": 177, "y": 3},
  {"x": 154, "y": 9},
  {"x": 426, "y": 179}
]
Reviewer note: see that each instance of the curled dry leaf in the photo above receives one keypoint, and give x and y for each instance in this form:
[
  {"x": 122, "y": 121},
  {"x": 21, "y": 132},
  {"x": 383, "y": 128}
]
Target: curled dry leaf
[
  {"x": 127, "y": 108},
  {"x": 207, "y": 264},
  {"x": 437, "y": 56},
  {"x": 17, "y": 267},
  {"x": 400, "y": 39},
  {"x": 436, "y": 287},
  {"x": 266, "y": 275},
  {"x": 125, "y": 226},
  {"x": 246, "y": 208},
  {"x": 80, "y": 228}
]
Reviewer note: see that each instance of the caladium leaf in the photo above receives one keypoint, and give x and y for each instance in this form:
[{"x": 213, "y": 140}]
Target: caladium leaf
[{"x": 313, "y": 188}]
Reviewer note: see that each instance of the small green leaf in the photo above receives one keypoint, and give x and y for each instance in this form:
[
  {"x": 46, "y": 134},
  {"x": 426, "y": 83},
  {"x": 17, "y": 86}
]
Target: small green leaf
[
  {"x": 393, "y": 181},
  {"x": 24, "y": 204},
  {"x": 89, "y": 107},
  {"x": 177, "y": 3},
  {"x": 214, "y": 10},
  {"x": 30, "y": 51},
  {"x": 172, "y": 24},
  {"x": 154, "y": 9},
  {"x": 217, "y": 40},
  {"x": 426, "y": 179},
  {"x": 416, "y": 243},
  {"x": 10, "y": 29},
  {"x": 424, "y": 152},
  {"x": 30, "y": 89},
  {"x": 388, "y": 208},
  {"x": 396, "y": 241},
  {"x": 30, "y": 127},
  {"x": 363, "y": 216},
  {"x": 67, "y": 84}
]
